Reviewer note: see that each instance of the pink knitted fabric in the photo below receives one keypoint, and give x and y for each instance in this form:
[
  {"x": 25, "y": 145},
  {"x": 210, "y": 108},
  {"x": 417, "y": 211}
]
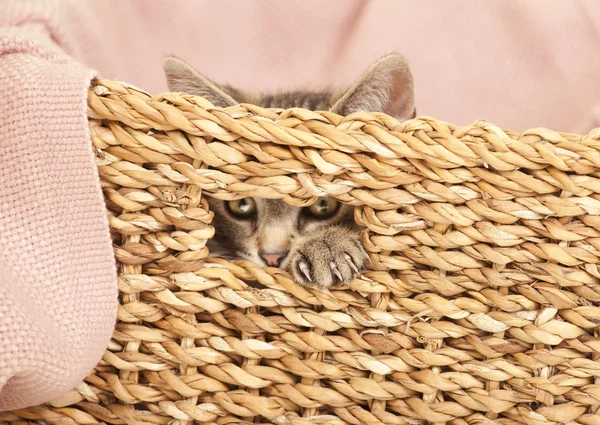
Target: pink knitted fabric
[{"x": 58, "y": 294}]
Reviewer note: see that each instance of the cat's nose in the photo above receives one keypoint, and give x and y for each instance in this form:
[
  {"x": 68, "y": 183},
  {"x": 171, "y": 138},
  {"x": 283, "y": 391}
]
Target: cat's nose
[{"x": 273, "y": 259}]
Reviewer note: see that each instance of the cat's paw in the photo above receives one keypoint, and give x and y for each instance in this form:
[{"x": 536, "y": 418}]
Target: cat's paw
[{"x": 331, "y": 255}]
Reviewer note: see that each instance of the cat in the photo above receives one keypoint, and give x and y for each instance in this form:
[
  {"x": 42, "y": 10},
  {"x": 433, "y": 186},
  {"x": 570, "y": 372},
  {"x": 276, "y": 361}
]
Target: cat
[{"x": 318, "y": 245}]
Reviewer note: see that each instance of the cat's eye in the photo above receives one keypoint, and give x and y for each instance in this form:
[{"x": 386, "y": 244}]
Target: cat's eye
[
  {"x": 242, "y": 208},
  {"x": 324, "y": 208}
]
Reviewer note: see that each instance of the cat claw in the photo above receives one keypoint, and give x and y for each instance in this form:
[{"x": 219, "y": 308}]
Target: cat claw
[
  {"x": 351, "y": 263},
  {"x": 335, "y": 271},
  {"x": 303, "y": 266}
]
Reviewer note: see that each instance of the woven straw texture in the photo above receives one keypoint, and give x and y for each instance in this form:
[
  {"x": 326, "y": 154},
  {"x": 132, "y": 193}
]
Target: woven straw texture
[{"x": 481, "y": 304}]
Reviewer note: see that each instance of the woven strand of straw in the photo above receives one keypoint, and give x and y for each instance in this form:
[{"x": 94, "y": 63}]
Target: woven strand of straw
[{"x": 481, "y": 306}]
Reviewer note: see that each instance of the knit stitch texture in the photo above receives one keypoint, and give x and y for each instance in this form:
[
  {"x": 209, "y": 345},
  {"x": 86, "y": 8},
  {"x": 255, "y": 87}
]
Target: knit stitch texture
[{"x": 58, "y": 292}]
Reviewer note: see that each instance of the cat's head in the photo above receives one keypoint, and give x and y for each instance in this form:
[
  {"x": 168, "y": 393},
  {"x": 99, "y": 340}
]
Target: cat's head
[
  {"x": 266, "y": 231},
  {"x": 386, "y": 86}
]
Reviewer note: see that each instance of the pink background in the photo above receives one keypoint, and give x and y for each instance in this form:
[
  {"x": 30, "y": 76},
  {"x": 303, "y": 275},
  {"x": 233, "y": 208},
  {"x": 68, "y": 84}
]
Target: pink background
[{"x": 519, "y": 64}]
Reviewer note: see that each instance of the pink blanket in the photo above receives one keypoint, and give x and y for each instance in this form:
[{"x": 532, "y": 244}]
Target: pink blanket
[
  {"x": 58, "y": 294},
  {"x": 521, "y": 64}
]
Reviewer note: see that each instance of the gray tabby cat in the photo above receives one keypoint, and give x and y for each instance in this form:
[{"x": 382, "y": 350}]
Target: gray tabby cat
[{"x": 320, "y": 244}]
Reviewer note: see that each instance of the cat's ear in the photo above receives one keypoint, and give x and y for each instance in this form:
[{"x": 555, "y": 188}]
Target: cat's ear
[
  {"x": 386, "y": 86},
  {"x": 182, "y": 77}
]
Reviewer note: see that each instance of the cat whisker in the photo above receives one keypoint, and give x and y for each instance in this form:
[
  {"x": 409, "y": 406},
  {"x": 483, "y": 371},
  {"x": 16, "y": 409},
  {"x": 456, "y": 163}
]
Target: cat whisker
[{"x": 336, "y": 271}]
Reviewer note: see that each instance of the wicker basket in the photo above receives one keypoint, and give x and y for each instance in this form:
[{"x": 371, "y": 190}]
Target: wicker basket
[{"x": 482, "y": 305}]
